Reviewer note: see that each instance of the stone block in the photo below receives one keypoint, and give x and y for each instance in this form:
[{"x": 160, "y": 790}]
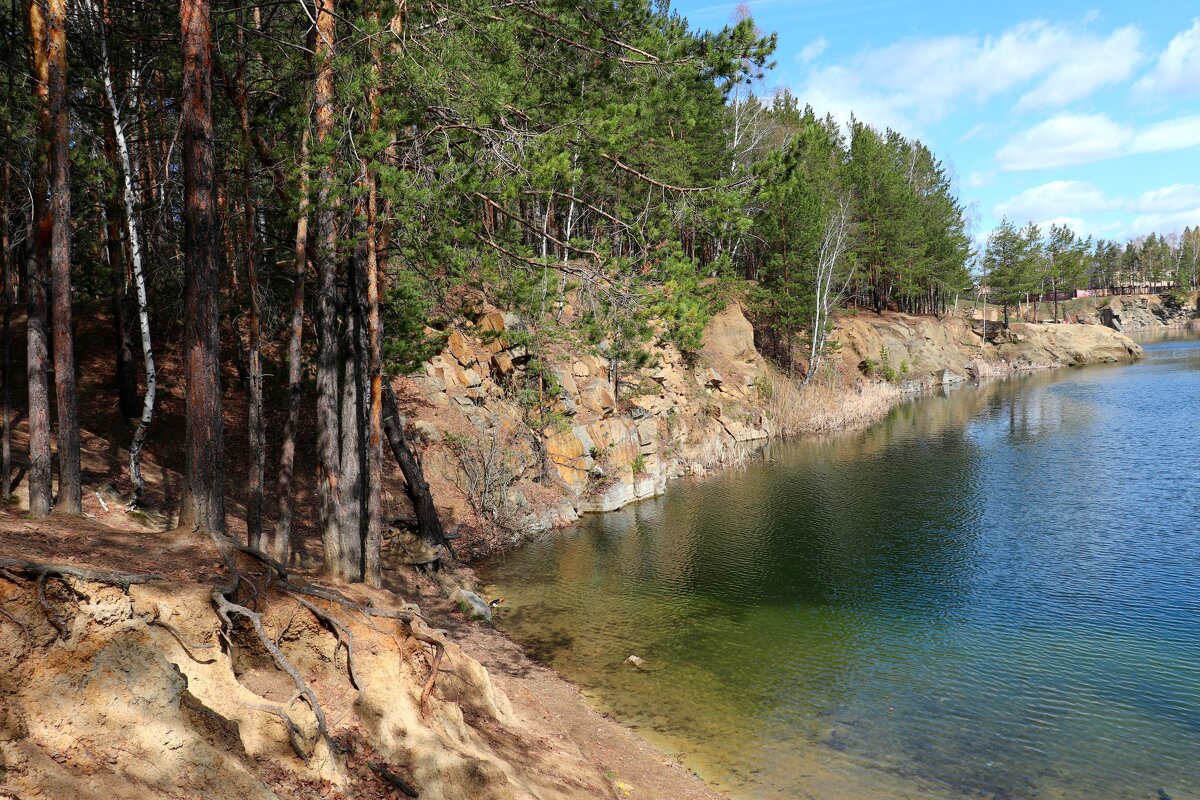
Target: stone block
[
  {"x": 502, "y": 365},
  {"x": 647, "y": 431},
  {"x": 596, "y": 396},
  {"x": 458, "y": 347},
  {"x": 491, "y": 321}
]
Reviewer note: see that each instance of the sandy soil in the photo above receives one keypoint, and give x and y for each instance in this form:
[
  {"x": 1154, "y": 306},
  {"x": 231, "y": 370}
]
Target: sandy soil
[
  {"x": 641, "y": 768},
  {"x": 536, "y": 737}
]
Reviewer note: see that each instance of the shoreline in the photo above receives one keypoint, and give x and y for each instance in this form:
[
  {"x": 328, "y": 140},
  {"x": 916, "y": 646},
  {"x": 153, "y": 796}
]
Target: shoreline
[
  {"x": 685, "y": 416},
  {"x": 826, "y": 779},
  {"x": 636, "y": 764}
]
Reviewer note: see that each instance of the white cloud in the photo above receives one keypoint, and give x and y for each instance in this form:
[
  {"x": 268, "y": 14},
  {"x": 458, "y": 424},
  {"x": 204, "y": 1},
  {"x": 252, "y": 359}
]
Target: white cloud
[
  {"x": 1088, "y": 211},
  {"x": 1172, "y": 134},
  {"x": 977, "y": 129},
  {"x": 1173, "y": 222},
  {"x": 1089, "y": 64},
  {"x": 923, "y": 78},
  {"x": 1168, "y": 199},
  {"x": 813, "y": 50},
  {"x": 1051, "y": 201},
  {"x": 1064, "y": 140},
  {"x": 1178, "y": 68},
  {"x": 1068, "y": 139}
]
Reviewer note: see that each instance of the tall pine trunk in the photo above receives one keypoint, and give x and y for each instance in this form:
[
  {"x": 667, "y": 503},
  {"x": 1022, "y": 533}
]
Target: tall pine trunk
[
  {"x": 70, "y": 494},
  {"x": 257, "y": 431},
  {"x": 328, "y": 451},
  {"x": 373, "y": 418},
  {"x": 351, "y": 506},
  {"x": 373, "y": 474},
  {"x": 287, "y": 452},
  {"x": 9, "y": 299},
  {"x": 36, "y": 341},
  {"x": 203, "y": 506}
]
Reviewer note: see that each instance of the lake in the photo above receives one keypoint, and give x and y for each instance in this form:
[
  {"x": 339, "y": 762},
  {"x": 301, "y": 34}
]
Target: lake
[{"x": 992, "y": 593}]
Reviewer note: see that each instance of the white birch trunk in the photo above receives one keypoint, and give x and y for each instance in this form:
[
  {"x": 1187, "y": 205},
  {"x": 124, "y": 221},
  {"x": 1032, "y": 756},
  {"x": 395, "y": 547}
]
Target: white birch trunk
[
  {"x": 139, "y": 278},
  {"x": 833, "y": 246}
]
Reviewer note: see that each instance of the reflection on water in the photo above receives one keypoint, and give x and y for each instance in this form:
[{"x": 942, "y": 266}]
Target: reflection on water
[{"x": 993, "y": 593}]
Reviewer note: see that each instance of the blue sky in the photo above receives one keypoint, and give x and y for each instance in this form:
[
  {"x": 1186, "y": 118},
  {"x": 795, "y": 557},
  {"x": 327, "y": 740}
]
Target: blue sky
[{"x": 1083, "y": 112}]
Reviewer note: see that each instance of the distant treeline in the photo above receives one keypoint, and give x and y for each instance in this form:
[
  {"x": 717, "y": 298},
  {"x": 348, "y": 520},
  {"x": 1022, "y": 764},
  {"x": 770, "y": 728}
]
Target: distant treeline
[{"x": 1019, "y": 262}]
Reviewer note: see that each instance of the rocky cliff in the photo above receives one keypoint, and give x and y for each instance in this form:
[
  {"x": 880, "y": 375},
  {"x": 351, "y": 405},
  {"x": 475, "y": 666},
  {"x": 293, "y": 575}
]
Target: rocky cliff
[
  {"x": 920, "y": 352},
  {"x": 605, "y": 446},
  {"x": 500, "y": 480},
  {"x": 1138, "y": 312}
]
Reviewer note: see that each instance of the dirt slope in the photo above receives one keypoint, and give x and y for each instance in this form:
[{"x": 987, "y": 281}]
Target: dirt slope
[{"x": 144, "y": 692}]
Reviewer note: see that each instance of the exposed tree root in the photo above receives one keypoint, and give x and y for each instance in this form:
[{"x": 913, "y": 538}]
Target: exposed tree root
[
  {"x": 18, "y": 570},
  {"x": 225, "y": 607},
  {"x": 439, "y": 652},
  {"x": 345, "y": 636},
  {"x": 259, "y": 555},
  {"x": 16, "y": 622},
  {"x": 295, "y": 736},
  {"x": 122, "y": 579},
  {"x": 187, "y": 646},
  {"x": 395, "y": 780},
  {"x": 46, "y": 607}
]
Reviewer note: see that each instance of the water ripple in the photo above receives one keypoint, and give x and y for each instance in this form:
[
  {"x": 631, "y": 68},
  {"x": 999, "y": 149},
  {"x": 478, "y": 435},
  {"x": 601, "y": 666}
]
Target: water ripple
[{"x": 993, "y": 593}]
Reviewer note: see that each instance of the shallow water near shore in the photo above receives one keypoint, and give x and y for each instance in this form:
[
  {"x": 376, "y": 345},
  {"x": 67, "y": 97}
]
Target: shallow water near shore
[{"x": 992, "y": 593}]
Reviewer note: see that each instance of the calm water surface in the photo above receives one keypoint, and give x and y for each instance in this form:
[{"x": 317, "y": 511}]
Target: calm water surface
[{"x": 995, "y": 593}]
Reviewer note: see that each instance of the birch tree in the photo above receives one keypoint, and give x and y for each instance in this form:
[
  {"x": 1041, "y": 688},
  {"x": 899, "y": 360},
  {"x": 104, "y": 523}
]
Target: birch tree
[
  {"x": 832, "y": 281},
  {"x": 134, "y": 238}
]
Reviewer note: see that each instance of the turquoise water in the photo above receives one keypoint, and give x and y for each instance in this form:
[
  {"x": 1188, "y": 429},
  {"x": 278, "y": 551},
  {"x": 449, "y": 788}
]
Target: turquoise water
[{"x": 994, "y": 593}]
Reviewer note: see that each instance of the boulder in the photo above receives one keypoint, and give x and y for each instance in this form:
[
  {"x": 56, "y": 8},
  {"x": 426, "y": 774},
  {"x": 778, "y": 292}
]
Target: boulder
[
  {"x": 596, "y": 396},
  {"x": 468, "y": 378},
  {"x": 566, "y": 405},
  {"x": 502, "y": 364},
  {"x": 472, "y": 604},
  {"x": 566, "y": 381},
  {"x": 945, "y": 377},
  {"x": 571, "y": 456},
  {"x": 647, "y": 431},
  {"x": 729, "y": 336},
  {"x": 414, "y": 550},
  {"x": 427, "y": 431},
  {"x": 458, "y": 347},
  {"x": 491, "y": 321}
]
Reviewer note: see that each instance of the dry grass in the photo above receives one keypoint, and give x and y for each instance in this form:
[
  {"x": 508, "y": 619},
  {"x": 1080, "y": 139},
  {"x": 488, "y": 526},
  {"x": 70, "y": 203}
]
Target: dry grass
[
  {"x": 721, "y": 452},
  {"x": 822, "y": 408}
]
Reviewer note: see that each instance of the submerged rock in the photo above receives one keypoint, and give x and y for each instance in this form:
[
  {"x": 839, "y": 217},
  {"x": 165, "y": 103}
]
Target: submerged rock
[{"x": 472, "y": 604}]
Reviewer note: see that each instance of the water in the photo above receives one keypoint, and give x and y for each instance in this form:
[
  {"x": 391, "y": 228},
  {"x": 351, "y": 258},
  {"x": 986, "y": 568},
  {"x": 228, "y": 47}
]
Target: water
[{"x": 995, "y": 594}]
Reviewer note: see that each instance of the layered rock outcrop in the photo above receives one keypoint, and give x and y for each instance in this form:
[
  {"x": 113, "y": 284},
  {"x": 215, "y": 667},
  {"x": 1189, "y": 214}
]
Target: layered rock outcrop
[
  {"x": 925, "y": 351},
  {"x": 608, "y": 443},
  {"x": 522, "y": 453},
  {"x": 1138, "y": 312}
]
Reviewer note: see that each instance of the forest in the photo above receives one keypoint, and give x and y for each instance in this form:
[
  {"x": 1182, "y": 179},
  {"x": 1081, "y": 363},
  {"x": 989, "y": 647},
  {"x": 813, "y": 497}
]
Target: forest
[{"x": 317, "y": 179}]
